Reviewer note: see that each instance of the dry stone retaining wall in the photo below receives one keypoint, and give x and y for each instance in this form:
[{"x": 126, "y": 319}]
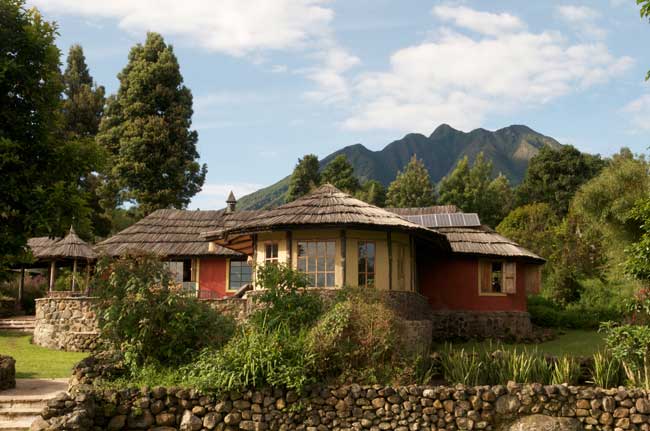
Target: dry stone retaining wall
[
  {"x": 484, "y": 324},
  {"x": 508, "y": 408},
  {"x": 66, "y": 324},
  {"x": 7, "y": 372}
]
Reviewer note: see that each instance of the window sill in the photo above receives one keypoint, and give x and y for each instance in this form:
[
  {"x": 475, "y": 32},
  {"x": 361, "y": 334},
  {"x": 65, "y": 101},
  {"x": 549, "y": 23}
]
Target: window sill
[{"x": 493, "y": 294}]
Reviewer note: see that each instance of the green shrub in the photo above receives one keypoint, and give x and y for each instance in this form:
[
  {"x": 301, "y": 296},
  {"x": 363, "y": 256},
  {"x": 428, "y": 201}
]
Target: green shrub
[
  {"x": 145, "y": 316},
  {"x": 565, "y": 370},
  {"x": 630, "y": 344},
  {"x": 606, "y": 371},
  {"x": 460, "y": 366},
  {"x": 255, "y": 357},
  {"x": 284, "y": 300},
  {"x": 356, "y": 333},
  {"x": 547, "y": 314}
]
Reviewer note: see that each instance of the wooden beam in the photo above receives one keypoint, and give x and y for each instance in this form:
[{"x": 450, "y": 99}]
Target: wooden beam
[
  {"x": 74, "y": 274},
  {"x": 390, "y": 260},
  {"x": 289, "y": 248},
  {"x": 52, "y": 274}
]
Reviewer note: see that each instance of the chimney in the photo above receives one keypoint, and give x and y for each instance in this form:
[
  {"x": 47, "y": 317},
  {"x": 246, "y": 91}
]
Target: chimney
[{"x": 231, "y": 203}]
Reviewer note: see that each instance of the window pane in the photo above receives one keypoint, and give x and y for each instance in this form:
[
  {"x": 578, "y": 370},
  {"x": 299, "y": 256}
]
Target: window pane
[
  {"x": 275, "y": 250},
  {"x": 302, "y": 249},
  {"x": 302, "y": 265},
  {"x": 320, "y": 264},
  {"x": 371, "y": 264},
  {"x": 362, "y": 264},
  {"x": 371, "y": 281},
  {"x": 370, "y": 246},
  {"x": 311, "y": 249},
  {"x": 330, "y": 264},
  {"x": 311, "y": 264},
  {"x": 362, "y": 279},
  {"x": 330, "y": 279},
  {"x": 320, "y": 280},
  {"x": 312, "y": 278},
  {"x": 331, "y": 248},
  {"x": 321, "y": 248}
]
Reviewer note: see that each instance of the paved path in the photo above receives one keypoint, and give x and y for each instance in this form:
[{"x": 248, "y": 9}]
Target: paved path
[{"x": 19, "y": 407}]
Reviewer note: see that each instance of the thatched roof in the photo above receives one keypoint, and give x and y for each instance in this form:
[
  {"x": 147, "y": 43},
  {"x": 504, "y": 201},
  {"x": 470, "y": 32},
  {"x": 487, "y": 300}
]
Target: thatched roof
[
  {"x": 434, "y": 209},
  {"x": 39, "y": 245},
  {"x": 483, "y": 241},
  {"x": 168, "y": 233},
  {"x": 324, "y": 207},
  {"x": 70, "y": 247}
]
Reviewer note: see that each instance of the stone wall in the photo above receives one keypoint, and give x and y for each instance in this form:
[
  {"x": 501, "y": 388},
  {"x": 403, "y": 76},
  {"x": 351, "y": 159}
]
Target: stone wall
[
  {"x": 237, "y": 308},
  {"x": 472, "y": 324},
  {"x": 66, "y": 324},
  {"x": 7, "y": 373},
  {"x": 513, "y": 408}
]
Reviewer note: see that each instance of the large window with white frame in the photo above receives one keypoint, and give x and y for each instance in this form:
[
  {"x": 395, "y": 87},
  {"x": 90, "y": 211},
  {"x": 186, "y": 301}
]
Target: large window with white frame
[
  {"x": 316, "y": 259},
  {"x": 367, "y": 252}
]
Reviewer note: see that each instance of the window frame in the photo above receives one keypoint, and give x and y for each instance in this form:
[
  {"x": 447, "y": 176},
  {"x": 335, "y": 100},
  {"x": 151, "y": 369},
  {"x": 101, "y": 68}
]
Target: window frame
[
  {"x": 307, "y": 258},
  {"x": 361, "y": 243},
  {"x": 229, "y": 280},
  {"x": 272, "y": 244},
  {"x": 490, "y": 262}
]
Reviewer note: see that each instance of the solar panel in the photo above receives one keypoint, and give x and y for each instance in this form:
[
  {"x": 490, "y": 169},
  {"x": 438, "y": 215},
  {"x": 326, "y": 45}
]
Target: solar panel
[{"x": 445, "y": 220}]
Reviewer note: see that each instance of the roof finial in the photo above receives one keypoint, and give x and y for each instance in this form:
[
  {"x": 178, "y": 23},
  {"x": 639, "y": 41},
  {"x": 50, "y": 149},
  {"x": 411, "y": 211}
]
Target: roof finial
[{"x": 231, "y": 203}]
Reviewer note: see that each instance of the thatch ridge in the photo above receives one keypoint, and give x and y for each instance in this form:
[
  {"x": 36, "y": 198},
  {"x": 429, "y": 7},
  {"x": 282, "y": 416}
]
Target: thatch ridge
[
  {"x": 168, "y": 233},
  {"x": 486, "y": 242},
  {"x": 325, "y": 206},
  {"x": 70, "y": 247},
  {"x": 40, "y": 244}
]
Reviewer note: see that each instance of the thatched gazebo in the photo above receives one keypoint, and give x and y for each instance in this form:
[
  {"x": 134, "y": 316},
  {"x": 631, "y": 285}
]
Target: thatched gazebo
[{"x": 69, "y": 248}]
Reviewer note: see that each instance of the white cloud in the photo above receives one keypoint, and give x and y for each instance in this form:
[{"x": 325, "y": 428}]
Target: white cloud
[
  {"x": 638, "y": 112},
  {"x": 487, "y": 23},
  {"x": 213, "y": 196},
  {"x": 460, "y": 79},
  {"x": 583, "y": 20},
  {"x": 234, "y": 27},
  {"x": 329, "y": 76}
]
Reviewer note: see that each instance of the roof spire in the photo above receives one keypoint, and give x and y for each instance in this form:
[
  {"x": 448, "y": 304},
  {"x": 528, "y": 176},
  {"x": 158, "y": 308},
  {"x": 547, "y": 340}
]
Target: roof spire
[{"x": 231, "y": 203}]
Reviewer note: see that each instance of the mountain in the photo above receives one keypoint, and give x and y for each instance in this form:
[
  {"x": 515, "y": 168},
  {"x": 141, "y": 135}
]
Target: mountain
[{"x": 510, "y": 150}]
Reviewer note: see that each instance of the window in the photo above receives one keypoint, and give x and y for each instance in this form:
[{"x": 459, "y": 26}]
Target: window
[
  {"x": 316, "y": 259},
  {"x": 181, "y": 270},
  {"x": 271, "y": 252},
  {"x": 367, "y": 263},
  {"x": 497, "y": 278},
  {"x": 240, "y": 274}
]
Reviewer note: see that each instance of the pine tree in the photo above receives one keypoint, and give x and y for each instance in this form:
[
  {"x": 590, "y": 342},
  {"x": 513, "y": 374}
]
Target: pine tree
[
  {"x": 305, "y": 177},
  {"x": 146, "y": 128},
  {"x": 340, "y": 173},
  {"x": 473, "y": 189},
  {"x": 412, "y": 187},
  {"x": 84, "y": 102},
  {"x": 372, "y": 192}
]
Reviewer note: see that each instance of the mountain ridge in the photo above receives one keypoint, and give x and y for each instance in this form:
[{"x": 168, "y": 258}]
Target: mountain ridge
[{"x": 510, "y": 149}]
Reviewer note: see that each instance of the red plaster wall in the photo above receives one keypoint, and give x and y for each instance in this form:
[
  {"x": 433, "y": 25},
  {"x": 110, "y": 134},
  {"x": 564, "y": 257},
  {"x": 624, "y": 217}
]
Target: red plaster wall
[
  {"x": 212, "y": 277},
  {"x": 452, "y": 284}
]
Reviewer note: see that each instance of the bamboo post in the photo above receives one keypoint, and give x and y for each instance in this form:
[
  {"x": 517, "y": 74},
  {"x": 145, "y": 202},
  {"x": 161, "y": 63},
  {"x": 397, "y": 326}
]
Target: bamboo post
[
  {"x": 52, "y": 274},
  {"x": 74, "y": 274}
]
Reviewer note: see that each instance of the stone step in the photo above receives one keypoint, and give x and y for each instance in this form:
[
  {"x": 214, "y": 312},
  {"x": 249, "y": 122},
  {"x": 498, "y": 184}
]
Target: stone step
[
  {"x": 9, "y": 415},
  {"x": 21, "y": 424}
]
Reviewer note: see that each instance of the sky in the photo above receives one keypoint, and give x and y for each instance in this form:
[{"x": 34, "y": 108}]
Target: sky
[{"x": 273, "y": 80}]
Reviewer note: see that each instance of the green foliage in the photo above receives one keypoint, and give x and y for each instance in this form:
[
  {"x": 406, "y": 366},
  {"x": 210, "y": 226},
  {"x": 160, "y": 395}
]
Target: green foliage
[
  {"x": 358, "y": 333},
  {"x": 548, "y": 314},
  {"x": 340, "y": 173},
  {"x": 142, "y": 314},
  {"x": 372, "y": 192},
  {"x": 146, "y": 129},
  {"x": 472, "y": 189},
  {"x": 630, "y": 344},
  {"x": 554, "y": 176},
  {"x": 284, "y": 300},
  {"x": 534, "y": 226},
  {"x": 255, "y": 357},
  {"x": 645, "y": 13},
  {"x": 566, "y": 370},
  {"x": 305, "y": 177},
  {"x": 412, "y": 187},
  {"x": 637, "y": 263},
  {"x": 84, "y": 103},
  {"x": 607, "y": 371}
]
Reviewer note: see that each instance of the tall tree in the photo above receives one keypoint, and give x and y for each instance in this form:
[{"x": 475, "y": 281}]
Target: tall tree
[
  {"x": 146, "y": 128},
  {"x": 340, "y": 173},
  {"x": 472, "y": 189},
  {"x": 554, "y": 176},
  {"x": 412, "y": 187},
  {"x": 305, "y": 176},
  {"x": 84, "y": 102},
  {"x": 373, "y": 192},
  {"x": 36, "y": 166}
]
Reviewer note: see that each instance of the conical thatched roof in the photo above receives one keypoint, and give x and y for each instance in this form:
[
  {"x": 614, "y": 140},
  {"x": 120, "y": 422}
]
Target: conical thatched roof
[
  {"x": 324, "y": 207},
  {"x": 484, "y": 241},
  {"x": 70, "y": 247},
  {"x": 40, "y": 245},
  {"x": 168, "y": 233}
]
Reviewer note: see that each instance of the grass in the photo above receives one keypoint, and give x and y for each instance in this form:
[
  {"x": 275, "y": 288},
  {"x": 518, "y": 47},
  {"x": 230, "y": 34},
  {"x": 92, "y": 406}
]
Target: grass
[
  {"x": 35, "y": 362},
  {"x": 570, "y": 342}
]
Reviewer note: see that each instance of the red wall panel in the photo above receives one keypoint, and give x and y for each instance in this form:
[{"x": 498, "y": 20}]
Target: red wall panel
[
  {"x": 212, "y": 277},
  {"x": 452, "y": 284}
]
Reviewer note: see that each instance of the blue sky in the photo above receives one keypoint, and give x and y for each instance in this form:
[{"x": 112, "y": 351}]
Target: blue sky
[{"x": 275, "y": 79}]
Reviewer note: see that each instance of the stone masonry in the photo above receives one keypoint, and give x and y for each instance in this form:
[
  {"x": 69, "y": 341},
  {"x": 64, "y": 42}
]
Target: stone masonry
[
  {"x": 7, "y": 372},
  {"x": 66, "y": 324}
]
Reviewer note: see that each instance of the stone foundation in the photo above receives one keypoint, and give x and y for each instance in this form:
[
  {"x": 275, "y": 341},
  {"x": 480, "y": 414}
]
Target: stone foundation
[
  {"x": 7, "y": 372},
  {"x": 509, "y": 408},
  {"x": 237, "y": 308},
  {"x": 66, "y": 324},
  {"x": 481, "y": 324}
]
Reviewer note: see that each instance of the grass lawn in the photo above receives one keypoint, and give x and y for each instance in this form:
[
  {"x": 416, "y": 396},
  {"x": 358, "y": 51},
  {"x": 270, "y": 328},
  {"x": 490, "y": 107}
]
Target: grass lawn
[
  {"x": 34, "y": 362},
  {"x": 571, "y": 342}
]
